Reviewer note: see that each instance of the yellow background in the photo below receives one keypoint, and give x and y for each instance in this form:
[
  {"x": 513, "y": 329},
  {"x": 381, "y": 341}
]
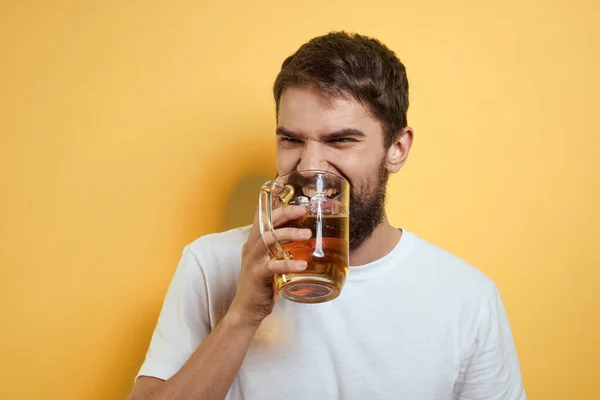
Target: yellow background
[{"x": 129, "y": 128}]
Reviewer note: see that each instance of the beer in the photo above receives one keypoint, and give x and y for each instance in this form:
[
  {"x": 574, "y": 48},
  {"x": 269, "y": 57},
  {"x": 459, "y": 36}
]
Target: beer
[
  {"x": 326, "y": 197},
  {"x": 326, "y": 253}
]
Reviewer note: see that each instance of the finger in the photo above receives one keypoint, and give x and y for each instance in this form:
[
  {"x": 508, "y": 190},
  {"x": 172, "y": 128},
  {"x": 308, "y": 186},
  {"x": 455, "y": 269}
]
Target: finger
[
  {"x": 274, "y": 267},
  {"x": 282, "y": 215},
  {"x": 279, "y": 216},
  {"x": 255, "y": 231},
  {"x": 285, "y": 235}
]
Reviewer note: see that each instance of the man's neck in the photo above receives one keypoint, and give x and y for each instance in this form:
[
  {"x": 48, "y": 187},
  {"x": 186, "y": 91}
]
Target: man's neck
[{"x": 382, "y": 241}]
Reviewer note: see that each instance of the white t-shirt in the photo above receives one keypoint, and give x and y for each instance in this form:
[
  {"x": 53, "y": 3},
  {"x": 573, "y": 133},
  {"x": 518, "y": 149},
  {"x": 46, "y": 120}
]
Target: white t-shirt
[{"x": 417, "y": 324}]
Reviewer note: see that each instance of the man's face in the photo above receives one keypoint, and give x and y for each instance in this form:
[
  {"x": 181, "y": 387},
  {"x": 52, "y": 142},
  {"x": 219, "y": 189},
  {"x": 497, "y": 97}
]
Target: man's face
[{"x": 340, "y": 136}]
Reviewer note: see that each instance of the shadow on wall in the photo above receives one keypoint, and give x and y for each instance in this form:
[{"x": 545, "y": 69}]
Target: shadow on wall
[{"x": 243, "y": 201}]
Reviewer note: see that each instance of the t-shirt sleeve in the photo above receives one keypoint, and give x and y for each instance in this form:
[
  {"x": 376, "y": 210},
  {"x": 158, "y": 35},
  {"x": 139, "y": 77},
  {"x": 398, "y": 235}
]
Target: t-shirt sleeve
[
  {"x": 491, "y": 369},
  {"x": 183, "y": 322}
]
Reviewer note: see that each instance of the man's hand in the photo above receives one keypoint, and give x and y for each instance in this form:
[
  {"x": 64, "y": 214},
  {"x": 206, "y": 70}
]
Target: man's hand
[{"x": 254, "y": 298}]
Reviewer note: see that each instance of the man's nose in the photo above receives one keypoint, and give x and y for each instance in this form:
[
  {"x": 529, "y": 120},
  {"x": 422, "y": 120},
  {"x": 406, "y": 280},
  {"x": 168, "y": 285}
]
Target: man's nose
[{"x": 312, "y": 158}]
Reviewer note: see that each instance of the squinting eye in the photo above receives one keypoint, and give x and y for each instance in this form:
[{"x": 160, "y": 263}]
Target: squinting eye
[
  {"x": 343, "y": 140},
  {"x": 289, "y": 139}
]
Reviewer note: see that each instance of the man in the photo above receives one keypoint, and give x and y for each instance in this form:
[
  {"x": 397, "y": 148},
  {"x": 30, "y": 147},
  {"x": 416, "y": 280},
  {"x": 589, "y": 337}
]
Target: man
[{"x": 412, "y": 322}]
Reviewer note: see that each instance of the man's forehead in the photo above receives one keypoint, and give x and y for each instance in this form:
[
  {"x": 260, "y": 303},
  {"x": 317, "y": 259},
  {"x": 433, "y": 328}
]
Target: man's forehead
[
  {"x": 324, "y": 98},
  {"x": 307, "y": 108}
]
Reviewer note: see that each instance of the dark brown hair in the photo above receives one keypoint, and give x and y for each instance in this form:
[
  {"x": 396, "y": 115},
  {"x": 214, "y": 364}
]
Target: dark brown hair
[{"x": 340, "y": 64}]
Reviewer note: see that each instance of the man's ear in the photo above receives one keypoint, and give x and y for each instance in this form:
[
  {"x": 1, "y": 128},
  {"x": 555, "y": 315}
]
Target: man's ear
[{"x": 398, "y": 151}]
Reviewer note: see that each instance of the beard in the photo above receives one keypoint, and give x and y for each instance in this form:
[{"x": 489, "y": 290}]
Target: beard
[{"x": 367, "y": 206}]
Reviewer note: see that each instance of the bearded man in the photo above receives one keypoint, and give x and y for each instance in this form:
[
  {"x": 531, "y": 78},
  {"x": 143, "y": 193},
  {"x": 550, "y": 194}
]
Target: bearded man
[{"x": 413, "y": 321}]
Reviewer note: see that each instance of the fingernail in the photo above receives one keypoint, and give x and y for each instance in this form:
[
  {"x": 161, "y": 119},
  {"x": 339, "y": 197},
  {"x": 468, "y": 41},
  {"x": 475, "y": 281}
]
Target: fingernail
[
  {"x": 306, "y": 233},
  {"x": 300, "y": 265}
]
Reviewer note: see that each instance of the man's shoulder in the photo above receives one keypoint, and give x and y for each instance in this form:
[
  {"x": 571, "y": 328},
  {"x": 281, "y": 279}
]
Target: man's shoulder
[
  {"x": 220, "y": 245},
  {"x": 447, "y": 271}
]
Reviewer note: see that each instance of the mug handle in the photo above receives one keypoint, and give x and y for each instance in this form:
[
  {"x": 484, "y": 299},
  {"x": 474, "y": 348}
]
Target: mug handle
[{"x": 265, "y": 220}]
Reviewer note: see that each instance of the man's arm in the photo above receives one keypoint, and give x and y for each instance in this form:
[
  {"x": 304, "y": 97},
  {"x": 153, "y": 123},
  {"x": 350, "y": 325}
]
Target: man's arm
[
  {"x": 210, "y": 371},
  {"x": 491, "y": 369},
  {"x": 211, "y": 368}
]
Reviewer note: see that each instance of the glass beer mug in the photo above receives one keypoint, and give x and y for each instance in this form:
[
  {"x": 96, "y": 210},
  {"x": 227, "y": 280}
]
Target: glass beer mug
[{"x": 326, "y": 197}]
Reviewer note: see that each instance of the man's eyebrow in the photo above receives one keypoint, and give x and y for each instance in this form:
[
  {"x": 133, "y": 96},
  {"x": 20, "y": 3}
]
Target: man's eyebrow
[
  {"x": 346, "y": 132},
  {"x": 285, "y": 132}
]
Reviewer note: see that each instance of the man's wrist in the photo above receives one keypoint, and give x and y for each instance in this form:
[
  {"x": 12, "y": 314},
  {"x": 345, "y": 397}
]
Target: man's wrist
[{"x": 237, "y": 319}]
